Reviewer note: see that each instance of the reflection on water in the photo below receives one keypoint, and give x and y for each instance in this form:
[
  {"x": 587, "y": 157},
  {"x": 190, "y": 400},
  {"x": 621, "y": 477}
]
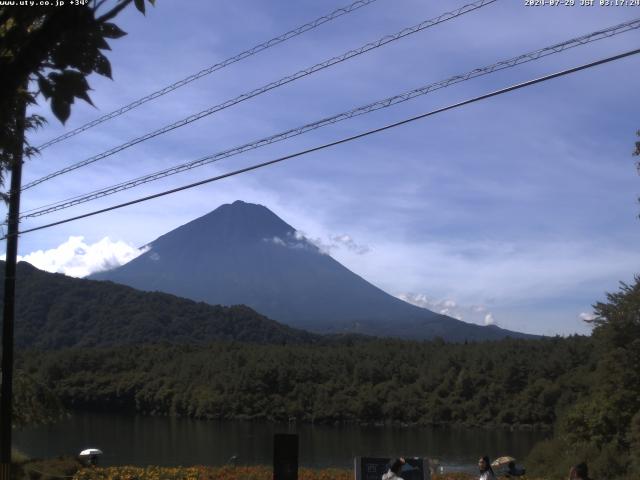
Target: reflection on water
[{"x": 137, "y": 440}]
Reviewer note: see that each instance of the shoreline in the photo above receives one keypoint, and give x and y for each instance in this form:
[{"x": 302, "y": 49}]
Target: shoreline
[
  {"x": 67, "y": 467},
  {"x": 520, "y": 427}
]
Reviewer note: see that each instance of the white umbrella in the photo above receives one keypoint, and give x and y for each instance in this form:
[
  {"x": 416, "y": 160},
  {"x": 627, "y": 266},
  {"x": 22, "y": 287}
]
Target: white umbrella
[
  {"x": 498, "y": 462},
  {"x": 90, "y": 451}
]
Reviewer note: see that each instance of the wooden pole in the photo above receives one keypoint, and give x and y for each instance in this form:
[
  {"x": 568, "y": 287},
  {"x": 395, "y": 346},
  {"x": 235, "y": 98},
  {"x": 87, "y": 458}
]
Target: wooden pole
[{"x": 6, "y": 389}]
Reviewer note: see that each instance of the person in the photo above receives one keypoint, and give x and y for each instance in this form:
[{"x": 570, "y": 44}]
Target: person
[
  {"x": 394, "y": 470},
  {"x": 579, "y": 472},
  {"x": 486, "y": 472}
]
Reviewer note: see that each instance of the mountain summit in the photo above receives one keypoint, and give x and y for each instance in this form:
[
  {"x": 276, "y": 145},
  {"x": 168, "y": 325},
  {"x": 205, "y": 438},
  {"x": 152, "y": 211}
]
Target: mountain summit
[{"x": 242, "y": 253}]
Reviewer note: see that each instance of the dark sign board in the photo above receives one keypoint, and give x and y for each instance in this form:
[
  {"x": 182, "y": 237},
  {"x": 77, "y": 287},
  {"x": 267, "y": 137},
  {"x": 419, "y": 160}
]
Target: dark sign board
[
  {"x": 372, "y": 468},
  {"x": 285, "y": 456}
]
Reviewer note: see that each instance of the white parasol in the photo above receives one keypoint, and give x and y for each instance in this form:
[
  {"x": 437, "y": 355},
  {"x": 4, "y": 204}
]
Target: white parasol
[
  {"x": 498, "y": 462},
  {"x": 90, "y": 451}
]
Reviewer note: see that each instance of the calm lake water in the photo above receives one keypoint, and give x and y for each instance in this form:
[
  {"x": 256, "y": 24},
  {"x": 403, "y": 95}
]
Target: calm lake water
[{"x": 138, "y": 440}]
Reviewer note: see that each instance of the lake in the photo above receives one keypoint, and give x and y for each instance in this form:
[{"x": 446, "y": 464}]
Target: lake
[{"x": 165, "y": 441}]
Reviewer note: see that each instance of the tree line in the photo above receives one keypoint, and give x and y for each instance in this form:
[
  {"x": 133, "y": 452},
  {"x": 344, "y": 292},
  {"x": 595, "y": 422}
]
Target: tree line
[{"x": 510, "y": 382}]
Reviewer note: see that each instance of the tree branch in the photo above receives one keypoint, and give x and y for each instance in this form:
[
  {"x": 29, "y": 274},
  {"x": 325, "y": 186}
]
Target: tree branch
[
  {"x": 114, "y": 11},
  {"x": 98, "y": 4},
  {"x": 34, "y": 52}
]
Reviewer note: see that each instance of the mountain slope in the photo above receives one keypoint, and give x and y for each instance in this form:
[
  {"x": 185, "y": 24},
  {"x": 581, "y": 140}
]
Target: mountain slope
[
  {"x": 55, "y": 311},
  {"x": 244, "y": 254}
]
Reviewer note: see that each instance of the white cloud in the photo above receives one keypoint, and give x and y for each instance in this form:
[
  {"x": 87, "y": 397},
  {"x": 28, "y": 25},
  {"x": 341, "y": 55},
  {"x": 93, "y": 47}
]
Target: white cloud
[
  {"x": 489, "y": 320},
  {"x": 446, "y": 306},
  {"x": 76, "y": 258},
  {"x": 324, "y": 247},
  {"x": 275, "y": 240},
  {"x": 296, "y": 241},
  {"x": 348, "y": 242},
  {"x": 417, "y": 299},
  {"x": 334, "y": 243},
  {"x": 490, "y": 275},
  {"x": 450, "y": 313},
  {"x": 586, "y": 316},
  {"x": 534, "y": 286},
  {"x": 449, "y": 304}
]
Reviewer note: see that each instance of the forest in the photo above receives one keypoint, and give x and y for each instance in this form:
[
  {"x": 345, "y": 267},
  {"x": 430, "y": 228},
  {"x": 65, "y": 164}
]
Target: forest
[
  {"x": 603, "y": 425},
  {"x": 587, "y": 389},
  {"x": 512, "y": 382},
  {"x": 54, "y": 311}
]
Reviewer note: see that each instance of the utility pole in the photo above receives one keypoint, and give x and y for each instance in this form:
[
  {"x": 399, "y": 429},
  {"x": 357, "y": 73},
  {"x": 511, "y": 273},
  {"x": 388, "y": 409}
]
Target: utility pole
[{"x": 6, "y": 389}]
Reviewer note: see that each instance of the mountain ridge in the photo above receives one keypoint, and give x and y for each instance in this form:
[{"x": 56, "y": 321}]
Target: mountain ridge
[
  {"x": 54, "y": 311},
  {"x": 243, "y": 253}
]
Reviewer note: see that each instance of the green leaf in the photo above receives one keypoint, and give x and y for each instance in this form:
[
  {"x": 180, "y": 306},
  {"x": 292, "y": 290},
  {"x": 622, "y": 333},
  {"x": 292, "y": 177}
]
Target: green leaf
[
  {"x": 102, "y": 66},
  {"x": 111, "y": 30},
  {"x": 81, "y": 58},
  {"x": 102, "y": 44},
  {"x": 34, "y": 122},
  {"x": 139, "y": 5},
  {"x": 45, "y": 87},
  {"x": 85, "y": 96},
  {"x": 60, "y": 108},
  {"x": 72, "y": 84},
  {"x": 63, "y": 57}
]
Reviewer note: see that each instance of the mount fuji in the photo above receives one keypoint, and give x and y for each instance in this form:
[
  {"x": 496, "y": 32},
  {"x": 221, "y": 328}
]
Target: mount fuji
[{"x": 242, "y": 253}]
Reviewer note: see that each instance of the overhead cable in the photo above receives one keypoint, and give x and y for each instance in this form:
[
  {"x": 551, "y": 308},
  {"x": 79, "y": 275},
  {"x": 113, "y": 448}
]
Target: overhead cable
[
  {"x": 380, "y": 104},
  {"x": 338, "y": 142},
  {"x": 218, "y": 66},
  {"x": 270, "y": 86}
]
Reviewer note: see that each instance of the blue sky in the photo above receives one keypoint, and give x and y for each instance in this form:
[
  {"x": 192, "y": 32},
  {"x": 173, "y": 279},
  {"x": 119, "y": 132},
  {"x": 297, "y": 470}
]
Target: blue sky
[{"x": 520, "y": 210}]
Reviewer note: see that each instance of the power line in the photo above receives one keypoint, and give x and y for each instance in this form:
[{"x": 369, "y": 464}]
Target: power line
[
  {"x": 270, "y": 86},
  {"x": 380, "y": 104},
  {"x": 218, "y": 66},
  {"x": 341, "y": 141},
  {"x": 598, "y": 35}
]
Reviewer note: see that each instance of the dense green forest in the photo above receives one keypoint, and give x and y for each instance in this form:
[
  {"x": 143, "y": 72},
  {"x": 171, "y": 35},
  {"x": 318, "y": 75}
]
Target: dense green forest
[
  {"x": 56, "y": 311},
  {"x": 33, "y": 402},
  {"x": 603, "y": 425},
  {"x": 511, "y": 382}
]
